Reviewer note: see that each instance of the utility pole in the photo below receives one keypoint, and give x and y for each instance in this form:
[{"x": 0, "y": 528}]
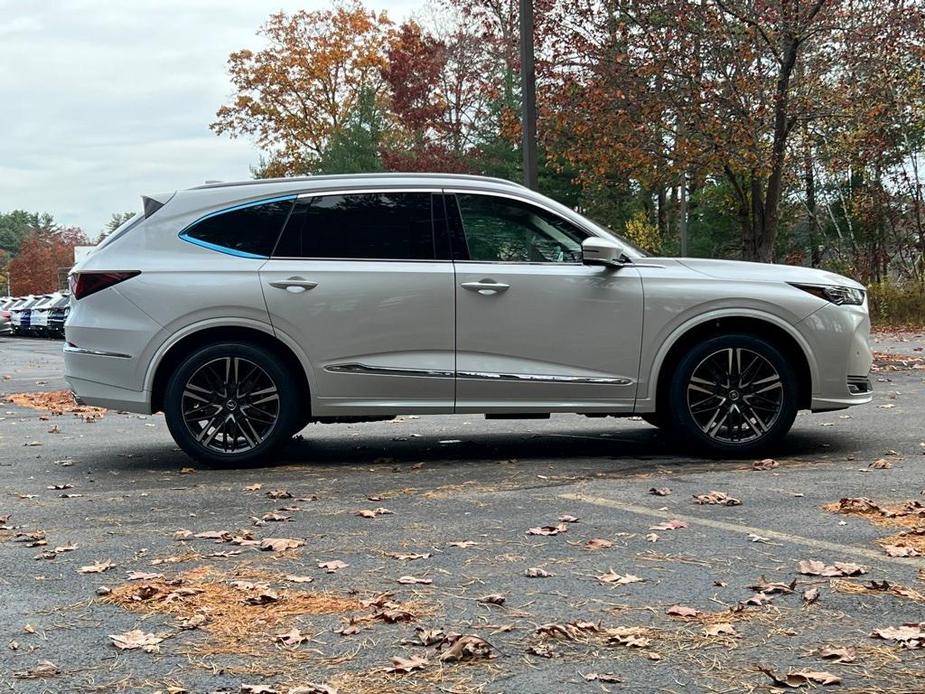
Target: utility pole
[{"x": 528, "y": 87}]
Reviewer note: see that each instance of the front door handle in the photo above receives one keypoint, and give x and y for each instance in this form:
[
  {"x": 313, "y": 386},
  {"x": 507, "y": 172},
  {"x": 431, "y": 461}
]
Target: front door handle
[
  {"x": 295, "y": 285},
  {"x": 485, "y": 287}
]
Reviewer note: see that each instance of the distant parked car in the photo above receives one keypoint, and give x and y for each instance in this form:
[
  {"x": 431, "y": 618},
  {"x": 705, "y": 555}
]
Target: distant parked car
[
  {"x": 6, "y": 323},
  {"x": 38, "y": 319},
  {"x": 57, "y": 314},
  {"x": 17, "y": 313}
]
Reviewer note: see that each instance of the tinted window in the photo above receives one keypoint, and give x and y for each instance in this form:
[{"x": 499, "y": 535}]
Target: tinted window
[
  {"x": 383, "y": 226},
  {"x": 249, "y": 231},
  {"x": 504, "y": 230}
]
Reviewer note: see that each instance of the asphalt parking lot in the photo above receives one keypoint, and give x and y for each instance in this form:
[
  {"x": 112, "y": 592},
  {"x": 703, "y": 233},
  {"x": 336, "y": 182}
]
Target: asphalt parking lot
[{"x": 99, "y": 518}]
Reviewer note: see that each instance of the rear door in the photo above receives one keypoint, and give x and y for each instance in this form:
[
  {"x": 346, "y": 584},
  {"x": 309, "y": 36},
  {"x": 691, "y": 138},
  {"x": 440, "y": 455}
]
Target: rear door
[{"x": 357, "y": 281}]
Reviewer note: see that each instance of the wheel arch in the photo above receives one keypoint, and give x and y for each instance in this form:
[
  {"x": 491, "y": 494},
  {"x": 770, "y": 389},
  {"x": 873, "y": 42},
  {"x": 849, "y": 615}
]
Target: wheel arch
[
  {"x": 174, "y": 351},
  {"x": 766, "y": 326}
]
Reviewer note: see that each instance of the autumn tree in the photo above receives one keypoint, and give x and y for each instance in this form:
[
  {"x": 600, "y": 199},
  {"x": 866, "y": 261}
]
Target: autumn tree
[
  {"x": 294, "y": 95},
  {"x": 43, "y": 259}
]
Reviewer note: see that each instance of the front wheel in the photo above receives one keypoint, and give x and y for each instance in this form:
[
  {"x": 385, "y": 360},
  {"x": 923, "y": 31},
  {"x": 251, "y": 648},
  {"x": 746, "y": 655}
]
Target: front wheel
[
  {"x": 733, "y": 395},
  {"x": 231, "y": 404}
]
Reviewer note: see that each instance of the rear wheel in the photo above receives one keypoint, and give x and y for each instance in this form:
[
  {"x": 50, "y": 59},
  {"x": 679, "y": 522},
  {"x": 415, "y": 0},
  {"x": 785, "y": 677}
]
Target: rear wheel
[
  {"x": 231, "y": 404},
  {"x": 733, "y": 395}
]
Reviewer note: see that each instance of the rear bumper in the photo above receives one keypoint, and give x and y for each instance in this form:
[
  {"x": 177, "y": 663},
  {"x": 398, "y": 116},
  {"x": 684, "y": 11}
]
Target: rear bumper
[{"x": 110, "y": 397}]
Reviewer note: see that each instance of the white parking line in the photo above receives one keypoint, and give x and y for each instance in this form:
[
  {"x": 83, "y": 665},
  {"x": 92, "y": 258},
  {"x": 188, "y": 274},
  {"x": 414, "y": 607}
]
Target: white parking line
[{"x": 860, "y": 552}]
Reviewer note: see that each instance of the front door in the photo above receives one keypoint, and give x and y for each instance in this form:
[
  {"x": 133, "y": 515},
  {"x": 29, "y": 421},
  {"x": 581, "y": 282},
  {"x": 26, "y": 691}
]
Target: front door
[
  {"x": 537, "y": 330},
  {"x": 356, "y": 281}
]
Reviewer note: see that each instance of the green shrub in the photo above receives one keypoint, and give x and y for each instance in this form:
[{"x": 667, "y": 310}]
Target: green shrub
[{"x": 893, "y": 305}]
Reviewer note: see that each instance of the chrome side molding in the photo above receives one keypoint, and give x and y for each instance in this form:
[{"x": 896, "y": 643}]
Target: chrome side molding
[
  {"x": 358, "y": 368},
  {"x": 74, "y": 349}
]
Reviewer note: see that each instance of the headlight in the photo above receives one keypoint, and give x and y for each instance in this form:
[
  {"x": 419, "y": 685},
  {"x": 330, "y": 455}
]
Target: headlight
[{"x": 836, "y": 294}]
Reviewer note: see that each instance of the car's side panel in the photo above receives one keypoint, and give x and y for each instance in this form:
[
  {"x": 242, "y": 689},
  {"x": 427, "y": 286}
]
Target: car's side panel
[
  {"x": 561, "y": 337},
  {"x": 379, "y": 333},
  {"x": 679, "y": 299}
]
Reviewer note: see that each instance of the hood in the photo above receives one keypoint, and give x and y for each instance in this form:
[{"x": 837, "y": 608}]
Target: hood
[{"x": 740, "y": 270}]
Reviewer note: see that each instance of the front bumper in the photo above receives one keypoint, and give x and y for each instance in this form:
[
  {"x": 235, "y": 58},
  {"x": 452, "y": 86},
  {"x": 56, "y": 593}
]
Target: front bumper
[{"x": 840, "y": 336}]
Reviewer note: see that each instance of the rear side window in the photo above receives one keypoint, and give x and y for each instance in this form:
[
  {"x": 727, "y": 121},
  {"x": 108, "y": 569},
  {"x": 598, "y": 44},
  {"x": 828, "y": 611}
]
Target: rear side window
[
  {"x": 247, "y": 231},
  {"x": 366, "y": 226}
]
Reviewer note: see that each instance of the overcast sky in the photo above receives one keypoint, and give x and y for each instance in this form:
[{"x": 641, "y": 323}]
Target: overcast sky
[{"x": 102, "y": 101}]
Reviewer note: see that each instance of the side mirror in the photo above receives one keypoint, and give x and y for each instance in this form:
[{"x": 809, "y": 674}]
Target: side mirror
[{"x": 600, "y": 251}]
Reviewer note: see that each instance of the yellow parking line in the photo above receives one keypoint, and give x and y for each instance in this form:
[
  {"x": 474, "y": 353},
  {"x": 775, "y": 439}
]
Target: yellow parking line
[{"x": 860, "y": 552}]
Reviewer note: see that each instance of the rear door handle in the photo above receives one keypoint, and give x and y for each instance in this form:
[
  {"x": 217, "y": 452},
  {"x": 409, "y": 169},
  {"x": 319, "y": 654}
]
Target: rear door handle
[
  {"x": 485, "y": 287},
  {"x": 294, "y": 285}
]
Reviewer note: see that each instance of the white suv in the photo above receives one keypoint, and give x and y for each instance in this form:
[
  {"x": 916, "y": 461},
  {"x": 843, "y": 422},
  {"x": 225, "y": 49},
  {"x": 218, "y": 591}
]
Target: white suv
[{"x": 246, "y": 310}]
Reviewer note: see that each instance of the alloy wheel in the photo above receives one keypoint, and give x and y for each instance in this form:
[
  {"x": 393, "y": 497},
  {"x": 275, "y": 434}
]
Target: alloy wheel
[
  {"x": 230, "y": 405},
  {"x": 735, "y": 395}
]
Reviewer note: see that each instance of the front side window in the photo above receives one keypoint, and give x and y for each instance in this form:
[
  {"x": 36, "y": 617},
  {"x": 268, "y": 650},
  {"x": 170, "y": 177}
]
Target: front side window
[
  {"x": 364, "y": 226},
  {"x": 504, "y": 230},
  {"x": 248, "y": 231}
]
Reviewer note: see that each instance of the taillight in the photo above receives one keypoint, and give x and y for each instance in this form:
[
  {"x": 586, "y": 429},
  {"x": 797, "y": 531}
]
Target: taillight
[{"x": 86, "y": 283}]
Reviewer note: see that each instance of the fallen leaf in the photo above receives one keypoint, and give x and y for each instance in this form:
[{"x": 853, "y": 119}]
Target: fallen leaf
[
  {"x": 409, "y": 557},
  {"x": 911, "y": 636},
  {"x": 143, "y": 576},
  {"x": 841, "y": 654},
  {"x": 293, "y": 637},
  {"x": 194, "y": 621},
  {"x": 567, "y": 519},
  {"x": 274, "y": 517},
  {"x": 292, "y": 578},
  {"x": 256, "y": 487},
  {"x": 263, "y": 597},
  {"x": 413, "y": 580},
  {"x": 598, "y": 543},
  {"x": 716, "y": 498},
  {"x": 810, "y": 595},
  {"x": 897, "y": 551},
  {"x": 372, "y": 513},
  {"x": 467, "y": 647},
  {"x": 428, "y": 637},
  {"x": 818, "y": 568},
  {"x": 632, "y": 637},
  {"x": 493, "y": 599},
  {"x": 136, "y": 638},
  {"x": 548, "y": 530},
  {"x": 536, "y": 572},
  {"x": 613, "y": 578},
  {"x": 765, "y": 464},
  {"x": 720, "y": 629},
  {"x": 279, "y": 494},
  {"x": 187, "y": 470},
  {"x": 770, "y": 588},
  {"x": 464, "y": 544},
  {"x": 752, "y": 537},
  {"x": 279, "y": 544},
  {"x": 660, "y": 491},
  {"x": 674, "y": 524},
  {"x": 311, "y": 688},
  {"x": 96, "y": 568},
  {"x": 607, "y": 677},
  {"x": 258, "y": 689},
  {"x": 682, "y": 611},
  {"x": 332, "y": 566},
  {"x": 406, "y": 665},
  {"x": 43, "y": 669},
  {"x": 800, "y": 678},
  {"x": 543, "y": 650}
]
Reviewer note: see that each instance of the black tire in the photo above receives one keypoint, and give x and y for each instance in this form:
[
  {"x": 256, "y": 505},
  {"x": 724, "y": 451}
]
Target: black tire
[
  {"x": 657, "y": 419},
  {"x": 241, "y": 404},
  {"x": 733, "y": 395}
]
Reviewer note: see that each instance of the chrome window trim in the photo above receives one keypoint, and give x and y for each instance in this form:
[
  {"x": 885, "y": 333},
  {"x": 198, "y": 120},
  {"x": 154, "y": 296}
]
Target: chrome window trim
[
  {"x": 362, "y": 191},
  {"x": 366, "y": 369}
]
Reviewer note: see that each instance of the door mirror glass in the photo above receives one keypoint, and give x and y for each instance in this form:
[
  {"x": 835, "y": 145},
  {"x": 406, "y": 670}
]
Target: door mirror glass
[{"x": 600, "y": 251}]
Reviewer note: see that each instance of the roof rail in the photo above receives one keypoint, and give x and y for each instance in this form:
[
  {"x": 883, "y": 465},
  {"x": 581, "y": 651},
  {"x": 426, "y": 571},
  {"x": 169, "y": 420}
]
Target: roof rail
[{"x": 349, "y": 177}]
